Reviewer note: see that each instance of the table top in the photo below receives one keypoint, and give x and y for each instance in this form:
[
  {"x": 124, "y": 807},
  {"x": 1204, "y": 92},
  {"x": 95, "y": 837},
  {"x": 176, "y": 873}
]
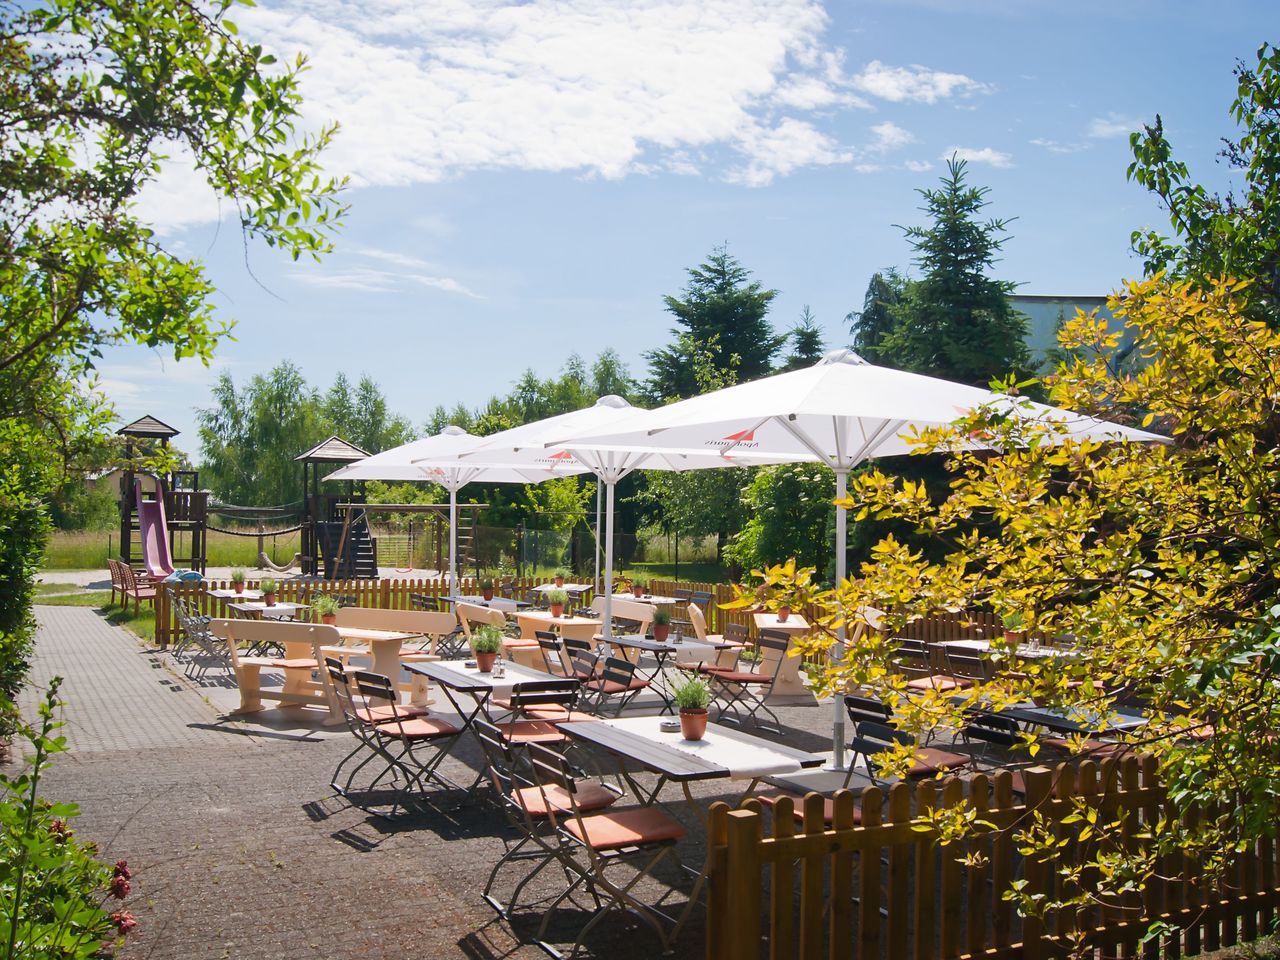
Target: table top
[
  {"x": 497, "y": 602},
  {"x": 225, "y": 594},
  {"x": 567, "y": 588},
  {"x": 769, "y": 621},
  {"x": 363, "y": 633},
  {"x": 1025, "y": 650},
  {"x": 1083, "y": 720},
  {"x": 653, "y": 599},
  {"x": 458, "y": 676},
  {"x": 637, "y": 642},
  {"x": 257, "y": 606},
  {"x": 640, "y": 739},
  {"x": 546, "y": 617}
]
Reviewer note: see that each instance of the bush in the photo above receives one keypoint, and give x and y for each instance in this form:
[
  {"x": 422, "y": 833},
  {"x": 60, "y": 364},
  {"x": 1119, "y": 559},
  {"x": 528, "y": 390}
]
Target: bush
[
  {"x": 54, "y": 893},
  {"x": 24, "y": 528}
]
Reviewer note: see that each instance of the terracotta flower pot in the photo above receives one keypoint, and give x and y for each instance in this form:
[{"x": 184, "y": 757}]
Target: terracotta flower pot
[
  {"x": 783, "y": 614},
  {"x": 488, "y": 594},
  {"x": 557, "y": 609},
  {"x": 1014, "y": 637},
  {"x": 637, "y": 592},
  {"x": 329, "y": 618},
  {"x": 559, "y": 581},
  {"x": 693, "y": 723},
  {"x": 238, "y": 587},
  {"x": 269, "y": 599},
  {"x": 485, "y": 661},
  {"x": 661, "y": 631}
]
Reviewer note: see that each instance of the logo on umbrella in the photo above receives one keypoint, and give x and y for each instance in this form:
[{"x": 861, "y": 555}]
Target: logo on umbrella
[
  {"x": 562, "y": 459},
  {"x": 743, "y": 439}
]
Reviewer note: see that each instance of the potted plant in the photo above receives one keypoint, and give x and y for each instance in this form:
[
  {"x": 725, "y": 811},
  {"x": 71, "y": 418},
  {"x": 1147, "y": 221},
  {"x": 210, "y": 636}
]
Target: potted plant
[
  {"x": 661, "y": 623},
  {"x": 638, "y": 588},
  {"x": 268, "y": 587},
  {"x": 238, "y": 578},
  {"x": 486, "y": 644},
  {"x": 560, "y": 576},
  {"x": 326, "y": 608},
  {"x": 784, "y": 612},
  {"x": 556, "y": 599},
  {"x": 692, "y": 697},
  {"x": 1015, "y": 627},
  {"x": 486, "y": 588}
]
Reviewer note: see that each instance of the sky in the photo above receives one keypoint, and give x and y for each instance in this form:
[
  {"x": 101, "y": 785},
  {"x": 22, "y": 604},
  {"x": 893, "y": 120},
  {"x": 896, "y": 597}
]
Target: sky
[{"x": 528, "y": 180}]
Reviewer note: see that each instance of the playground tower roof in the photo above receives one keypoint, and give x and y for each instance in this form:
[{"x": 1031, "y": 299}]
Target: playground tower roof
[{"x": 333, "y": 450}]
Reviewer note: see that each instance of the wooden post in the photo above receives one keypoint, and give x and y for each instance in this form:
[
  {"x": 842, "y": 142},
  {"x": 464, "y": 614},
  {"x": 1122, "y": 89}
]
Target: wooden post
[
  {"x": 741, "y": 923},
  {"x": 1036, "y": 872},
  {"x": 718, "y": 919},
  {"x": 782, "y": 894}
]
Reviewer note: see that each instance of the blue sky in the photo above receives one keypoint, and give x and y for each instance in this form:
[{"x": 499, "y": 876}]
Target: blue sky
[{"x": 529, "y": 179}]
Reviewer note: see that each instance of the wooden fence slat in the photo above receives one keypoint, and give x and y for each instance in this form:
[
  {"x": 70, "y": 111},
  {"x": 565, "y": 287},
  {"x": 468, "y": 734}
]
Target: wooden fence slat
[
  {"x": 1001, "y": 866},
  {"x": 841, "y": 935},
  {"x": 812, "y": 891},
  {"x": 782, "y": 886},
  {"x": 899, "y": 864},
  {"x": 976, "y": 873},
  {"x": 925, "y": 888},
  {"x": 718, "y": 887},
  {"x": 742, "y": 879},
  {"x": 868, "y": 942},
  {"x": 950, "y": 881}
]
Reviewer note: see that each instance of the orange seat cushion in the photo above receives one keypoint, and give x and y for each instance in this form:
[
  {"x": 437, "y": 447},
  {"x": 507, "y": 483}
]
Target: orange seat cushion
[
  {"x": 930, "y": 761},
  {"x": 299, "y": 663},
  {"x": 559, "y": 715},
  {"x": 1088, "y": 748},
  {"x": 740, "y": 676},
  {"x": 612, "y": 686},
  {"x": 531, "y": 731},
  {"x": 591, "y": 796},
  {"x": 514, "y": 643},
  {"x": 939, "y": 682},
  {"x": 390, "y": 712},
  {"x": 419, "y": 728},
  {"x": 625, "y": 828}
]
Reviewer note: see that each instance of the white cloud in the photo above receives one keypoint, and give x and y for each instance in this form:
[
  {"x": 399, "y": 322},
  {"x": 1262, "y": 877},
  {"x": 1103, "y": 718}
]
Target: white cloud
[
  {"x": 1113, "y": 125},
  {"x": 606, "y": 88},
  {"x": 915, "y": 84},
  {"x": 918, "y": 166},
  {"x": 890, "y": 136},
  {"x": 988, "y": 155},
  {"x": 1055, "y": 146},
  {"x": 339, "y": 276}
]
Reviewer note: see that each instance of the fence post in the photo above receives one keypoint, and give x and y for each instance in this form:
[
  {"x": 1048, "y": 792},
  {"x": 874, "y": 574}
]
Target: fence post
[
  {"x": 161, "y": 610},
  {"x": 717, "y": 883},
  {"x": 1039, "y": 784},
  {"x": 741, "y": 923}
]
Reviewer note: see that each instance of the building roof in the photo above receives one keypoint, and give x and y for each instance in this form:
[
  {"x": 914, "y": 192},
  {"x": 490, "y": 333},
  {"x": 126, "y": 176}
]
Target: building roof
[
  {"x": 147, "y": 426},
  {"x": 333, "y": 450}
]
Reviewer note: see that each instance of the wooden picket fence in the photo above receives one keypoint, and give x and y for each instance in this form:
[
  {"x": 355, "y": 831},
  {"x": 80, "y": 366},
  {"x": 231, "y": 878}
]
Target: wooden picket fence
[
  {"x": 883, "y": 888},
  {"x": 383, "y": 594}
]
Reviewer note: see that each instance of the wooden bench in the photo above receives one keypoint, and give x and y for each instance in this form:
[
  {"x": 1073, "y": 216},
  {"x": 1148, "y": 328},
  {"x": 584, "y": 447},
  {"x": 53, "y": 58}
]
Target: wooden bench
[{"x": 302, "y": 658}]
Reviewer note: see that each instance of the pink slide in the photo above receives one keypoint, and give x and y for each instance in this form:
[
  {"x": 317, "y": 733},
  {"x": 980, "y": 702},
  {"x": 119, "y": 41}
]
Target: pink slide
[{"x": 154, "y": 532}]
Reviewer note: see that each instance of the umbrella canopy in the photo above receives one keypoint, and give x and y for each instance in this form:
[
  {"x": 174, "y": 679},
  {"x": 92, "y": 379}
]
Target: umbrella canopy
[
  {"x": 840, "y": 412},
  {"x": 553, "y": 443},
  {"x": 435, "y": 458}
]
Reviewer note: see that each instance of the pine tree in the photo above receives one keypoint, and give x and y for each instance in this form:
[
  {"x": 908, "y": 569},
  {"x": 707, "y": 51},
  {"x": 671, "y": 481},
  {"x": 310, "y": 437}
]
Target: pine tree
[
  {"x": 870, "y": 325},
  {"x": 807, "y": 342}
]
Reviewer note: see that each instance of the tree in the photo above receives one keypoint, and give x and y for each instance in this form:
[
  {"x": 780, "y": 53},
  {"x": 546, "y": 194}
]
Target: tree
[
  {"x": 956, "y": 322},
  {"x": 1161, "y": 562},
  {"x": 93, "y": 97},
  {"x": 788, "y": 515},
  {"x": 1229, "y": 234},
  {"x": 807, "y": 344},
  {"x": 362, "y": 417},
  {"x": 873, "y": 323},
  {"x": 720, "y": 305}
]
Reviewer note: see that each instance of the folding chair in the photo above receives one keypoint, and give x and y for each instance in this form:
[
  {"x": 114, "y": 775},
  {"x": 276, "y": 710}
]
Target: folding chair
[
  {"x": 617, "y": 678},
  {"x": 554, "y": 659},
  {"x": 526, "y": 807},
  {"x": 360, "y": 721},
  {"x": 967, "y": 664},
  {"x": 912, "y": 657},
  {"x": 411, "y": 746},
  {"x": 749, "y": 689},
  {"x": 193, "y": 631},
  {"x": 536, "y": 707},
  {"x": 593, "y": 847},
  {"x": 871, "y": 739},
  {"x": 738, "y": 633},
  {"x": 862, "y": 708}
]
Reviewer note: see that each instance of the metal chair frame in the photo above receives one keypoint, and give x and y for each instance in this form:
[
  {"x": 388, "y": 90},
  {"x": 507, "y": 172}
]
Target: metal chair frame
[{"x": 749, "y": 695}]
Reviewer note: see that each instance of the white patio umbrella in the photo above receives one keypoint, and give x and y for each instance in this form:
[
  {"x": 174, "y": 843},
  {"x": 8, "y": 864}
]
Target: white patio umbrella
[
  {"x": 840, "y": 412},
  {"x": 529, "y": 446},
  {"x": 435, "y": 458}
]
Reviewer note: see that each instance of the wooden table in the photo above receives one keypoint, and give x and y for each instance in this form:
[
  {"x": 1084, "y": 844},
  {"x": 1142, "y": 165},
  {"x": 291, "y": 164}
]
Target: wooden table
[
  {"x": 384, "y": 651},
  {"x": 497, "y": 603},
  {"x": 277, "y": 611},
  {"x": 1025, "y": 651},
  {"x": 246, "y": 594},
  {"x": 647, "y": 598},
  {"x": 788, "y": 683},
  {"x": 455, "y": 677},
  {"x": 544, "y": 617},
  {"x": 662, "y": 652},
  {"x": 1083, "y": 720},
  {"x": 571, "y": 588}
]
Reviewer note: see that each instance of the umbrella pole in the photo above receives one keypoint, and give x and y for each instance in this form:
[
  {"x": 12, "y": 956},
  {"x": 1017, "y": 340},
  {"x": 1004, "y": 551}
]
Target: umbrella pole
[
  {"x": 837, "y": 702},
  {"x": 608, "y": 560},
  {"x": 453, "y": 540},
  {"x": 595, "y": 552}
]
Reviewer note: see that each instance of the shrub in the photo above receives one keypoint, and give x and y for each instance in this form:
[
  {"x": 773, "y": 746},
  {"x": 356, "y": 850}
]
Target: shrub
[
  {"x": 486, "y": 638},
  {"x": 268, "y": 585},
  {"x": 691, "y": 694},
  {"x": 555, "y": 597},
  {"x": 323, "y": 606},
  {"x": 662, "y": 615},
  {"x": 238, "y": 575}
]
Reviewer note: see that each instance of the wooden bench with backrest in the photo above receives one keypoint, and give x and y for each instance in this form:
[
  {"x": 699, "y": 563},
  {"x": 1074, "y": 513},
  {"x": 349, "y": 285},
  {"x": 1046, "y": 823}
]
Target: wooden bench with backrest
[{"x": 301, "y": 643}]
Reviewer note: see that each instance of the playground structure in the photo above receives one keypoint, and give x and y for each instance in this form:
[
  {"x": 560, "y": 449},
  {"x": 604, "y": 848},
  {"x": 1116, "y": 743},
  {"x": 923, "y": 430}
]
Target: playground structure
[{"x": 162, "y": 519}]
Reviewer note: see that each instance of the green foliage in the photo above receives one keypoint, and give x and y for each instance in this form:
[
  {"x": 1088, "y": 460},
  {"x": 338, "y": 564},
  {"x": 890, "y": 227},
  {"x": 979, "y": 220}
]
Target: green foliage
[
  {"x": 53, "y": 892},
  {"x": 872, "y": 324},
  {"x": 691, "y": 693},
  {"x": 1234, "y": 234},
  {"x": 788, "y": 514},
  {"x": 486, "y": 638},
  {"x": 250, "y": 436},
  {"x": 268, "y": 585},
  {"x": 24, "y": 528},
  {"x": 561, "y": 574},
  {"x": 486, "y": 583},
  {"x": 563, "y": 501},
  {"x": 557, "y": 598},
  {"x": 238, "y": 575},
  {"x": 723, "y": 312},
  {"x": 662, "y": 616},
  {"x": 807, "y": 345},
  {"x": 324, "y": 606},
  {"x": 956, "y": 322}
]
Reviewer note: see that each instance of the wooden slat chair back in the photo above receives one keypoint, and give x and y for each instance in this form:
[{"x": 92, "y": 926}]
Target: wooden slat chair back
[
  {"x": 432, "y": 625},
  {"x": 871, "y": 739},
  {"x": 138, "y": 586},
  {"x": 629, "y": 616},
  {"x": 471, "y": 615},
  {"x": 301, "y": 643}
]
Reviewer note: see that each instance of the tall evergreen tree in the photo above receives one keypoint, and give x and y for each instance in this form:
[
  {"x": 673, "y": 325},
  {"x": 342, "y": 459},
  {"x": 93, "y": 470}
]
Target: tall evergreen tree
[
  {"x": 870, "y": 325},
  {"x": 723, "y": 306},
  {"x": 955, "y": 321},
  {"x": 807, "y": 342}
]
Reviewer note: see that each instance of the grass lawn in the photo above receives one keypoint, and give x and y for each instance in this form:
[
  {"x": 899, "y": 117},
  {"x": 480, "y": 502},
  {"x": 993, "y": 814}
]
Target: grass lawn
[{"x": 144, "y": 624}]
